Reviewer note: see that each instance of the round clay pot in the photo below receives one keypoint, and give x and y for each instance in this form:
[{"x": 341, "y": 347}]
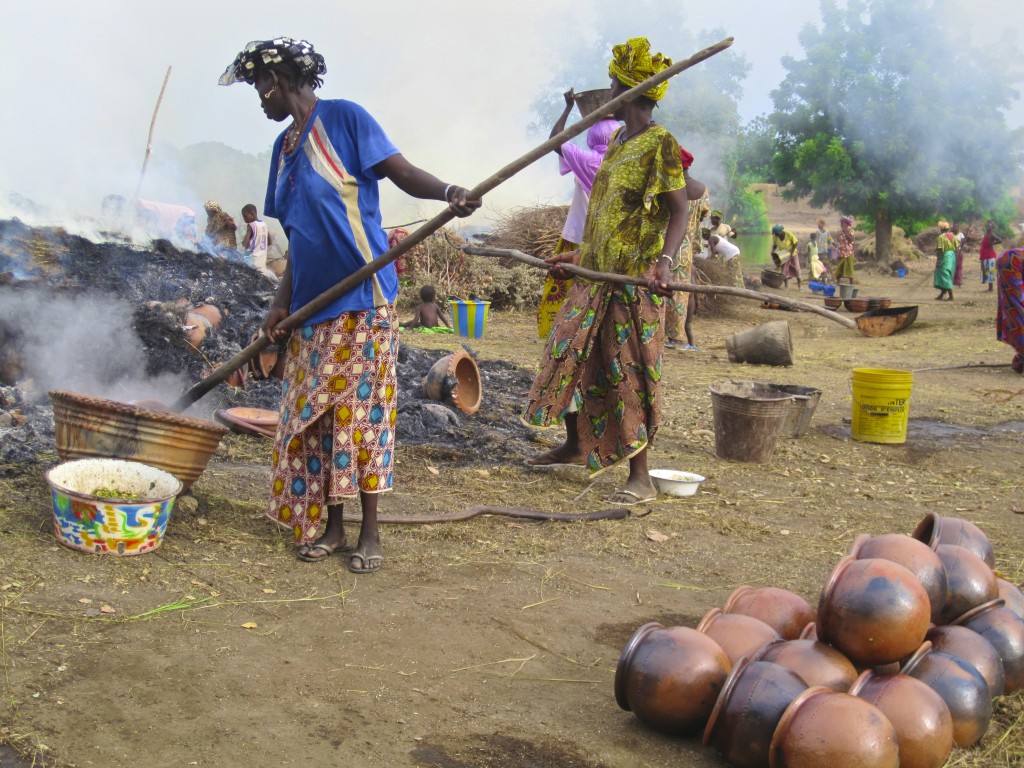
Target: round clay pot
[
  {"x": 195, "y": 328},
  {"x": 1012, "y": 595},
  {"x": 970, "y": 647},
  {"x": 817, "y": 664},
  {"x": 935, "y": 530},
  {"x": 924, "y": 727},
  {"x": 960, "y": 685},
  {"x": 670, "y": 677},
  {"x": 824, "y": 728},
  {"x": 748, "y": 709},
  {"x": 455, "y": 376},
  {"x": 1004, "y": 629},
  {"x": 737, "y": 634},
  {"x": 874, "y": 611},
  {"x": 971, "y": 582},
  {"x": 914, "y": 555},
  {"x": 786, "y": 611},
  {"x": 211, "y": 313}
]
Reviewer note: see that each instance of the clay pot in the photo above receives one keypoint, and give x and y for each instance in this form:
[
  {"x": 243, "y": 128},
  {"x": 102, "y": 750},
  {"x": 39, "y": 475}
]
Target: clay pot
[
  {"x": 455, "y": 377},
  {"x": 914, "y": 555},
  {"x": 960, "y": 685},
  {"x": 752, "y": 701},
  {"x": 970, "y": 647},
  {"x": 924, "y": 727},
  {"x": 1011, "y": 594},
  {"x": 211, "y": 313},
  {"x": 737, "y": 634},
  {"x": 824, "y": 728},
  {"x": 785, "y": 611},
  {"x": 670, "y": 677},
  {"x": 935, "y": 530},
  {"x": 816, "y": 664},
  {"x": 971, "y": 582},
  {"x": 874, "y": 611},
  {"x": 195, "y": 328},
  {"x": 1004, "y": 629}
]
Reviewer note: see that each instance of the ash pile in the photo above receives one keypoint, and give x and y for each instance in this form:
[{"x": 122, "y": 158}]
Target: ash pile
[{"x": 130, "y": 323}]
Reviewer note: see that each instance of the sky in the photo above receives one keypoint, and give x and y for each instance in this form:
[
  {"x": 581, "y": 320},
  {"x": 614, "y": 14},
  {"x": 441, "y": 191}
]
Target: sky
[{"x": 452, "y": 82}]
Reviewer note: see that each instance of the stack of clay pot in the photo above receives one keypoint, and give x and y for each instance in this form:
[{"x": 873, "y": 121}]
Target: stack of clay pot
[{"x": 912, "y": 639}]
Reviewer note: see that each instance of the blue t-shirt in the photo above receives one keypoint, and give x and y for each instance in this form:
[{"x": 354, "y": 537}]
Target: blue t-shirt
[{"x": 325, "y": 195}]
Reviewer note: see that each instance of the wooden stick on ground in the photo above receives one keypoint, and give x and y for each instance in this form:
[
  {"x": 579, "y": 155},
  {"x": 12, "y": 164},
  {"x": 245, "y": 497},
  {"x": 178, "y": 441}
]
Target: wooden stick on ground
[
  {"x": 299, "y": 316},
  {"x": 533, "y": 261}
]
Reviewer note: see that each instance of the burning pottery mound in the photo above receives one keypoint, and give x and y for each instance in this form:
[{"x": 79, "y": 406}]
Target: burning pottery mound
[{"x": 185, "y": 313}]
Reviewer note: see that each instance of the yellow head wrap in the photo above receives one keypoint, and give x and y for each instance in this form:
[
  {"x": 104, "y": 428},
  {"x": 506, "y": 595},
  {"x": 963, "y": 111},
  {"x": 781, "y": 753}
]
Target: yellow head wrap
[
  {"x": 632, "y": 63},
  {"x": 943, "y": 225}
]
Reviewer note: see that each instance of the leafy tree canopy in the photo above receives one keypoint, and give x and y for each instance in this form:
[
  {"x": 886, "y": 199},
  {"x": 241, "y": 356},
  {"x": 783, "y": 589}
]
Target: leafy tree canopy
[{"x": 892, "y": 114}]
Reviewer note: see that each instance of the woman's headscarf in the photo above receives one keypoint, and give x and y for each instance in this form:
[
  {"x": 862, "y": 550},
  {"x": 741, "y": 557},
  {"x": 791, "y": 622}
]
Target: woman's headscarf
[
  {"x": 583, "y": 163},
  {"x": 261, "y": 53},
  {"x": 717, "y": 214},
  {"x": 847, "y": 220},
  {"x": 632, "y": 63},
  {"x": 943, "y": 225},
  {"x": 778, "y": 229}
]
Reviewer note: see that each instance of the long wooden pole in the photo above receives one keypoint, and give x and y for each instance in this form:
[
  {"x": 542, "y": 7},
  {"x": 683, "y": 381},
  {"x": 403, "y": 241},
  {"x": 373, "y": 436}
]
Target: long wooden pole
[
  {"x": 299, "y": 316},
  {"x": 608, "y": 277},
  {"x": 149, "y": 140}
]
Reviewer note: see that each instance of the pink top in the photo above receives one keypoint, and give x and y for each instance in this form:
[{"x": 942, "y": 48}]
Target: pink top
[{"x": 583, "y": 164}]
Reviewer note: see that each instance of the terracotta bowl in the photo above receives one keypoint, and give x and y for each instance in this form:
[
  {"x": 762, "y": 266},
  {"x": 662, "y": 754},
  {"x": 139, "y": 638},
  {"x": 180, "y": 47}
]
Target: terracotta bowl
[
  {"x": 914, "y": 555},
  {"x": 822, "y": 728},
  {"x": 874, "y": 611},
  {"x": 856, "y": 305},
  {"x": 737, "y": 634},
  {"x": 924, "y": 727},
  {"x": 817, "y": 664},
  {"x": 971, "y": 648},
  {"x": 960, "y": 685},
  {"x": 752, "y": 701},
  {"x": 212, "y": 314},
  {"x": 971, "y": 582},
  {"x": 91, "y": 427},
  {"x": 670, "y": 677},
  {"x": 934, "y": 530},
  {"x": 785, "y": 611},
  {"x": 1005, "y": 631},
  {"x": 833, "y": 302}
]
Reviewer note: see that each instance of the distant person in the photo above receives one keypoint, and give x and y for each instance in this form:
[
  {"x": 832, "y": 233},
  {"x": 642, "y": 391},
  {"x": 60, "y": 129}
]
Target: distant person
[
  {"x": 582, "y": 163},
  {"x": 988, "y": 254},
  {"x": 845, "y": 249},
  {"x": 815, "y": 263},
  {"x": 790, "y": 266},
  {"x": 824, "y": 243},
  {"x": 428, "y": 313},
  {"x": 1010, "y": 309},
  {"x": 730, "y": 255},
  {"x": 257, "y": 240},
  {"x": 958, "y": 270},
  {"x": 720, "y": 228},
  {"x": 945, "y": 262},
  {"x": 221, "y": 230},
  {"x": 683, "y": 305}
]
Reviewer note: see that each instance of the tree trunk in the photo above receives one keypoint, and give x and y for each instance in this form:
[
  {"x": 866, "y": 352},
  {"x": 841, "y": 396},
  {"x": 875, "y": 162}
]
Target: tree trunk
[{"x": 883, "y": 236}]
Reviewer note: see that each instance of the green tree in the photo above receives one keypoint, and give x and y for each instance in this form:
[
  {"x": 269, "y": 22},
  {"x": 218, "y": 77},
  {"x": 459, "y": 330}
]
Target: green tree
[
  {"x": 892, "y": 115},
  {"x": 700, "y": 107}
]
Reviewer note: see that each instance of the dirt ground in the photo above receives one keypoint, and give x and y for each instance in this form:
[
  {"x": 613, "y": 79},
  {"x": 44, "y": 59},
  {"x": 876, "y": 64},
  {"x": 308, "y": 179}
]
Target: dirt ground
[{"x": 493, "y": 642}]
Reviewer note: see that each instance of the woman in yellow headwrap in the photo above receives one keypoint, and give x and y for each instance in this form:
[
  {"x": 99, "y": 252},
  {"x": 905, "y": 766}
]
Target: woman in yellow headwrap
[{"x": 601, "y": 370}]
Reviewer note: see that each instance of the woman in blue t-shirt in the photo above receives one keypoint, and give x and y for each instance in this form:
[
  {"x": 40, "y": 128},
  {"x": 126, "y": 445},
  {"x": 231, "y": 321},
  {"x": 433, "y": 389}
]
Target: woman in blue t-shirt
[{"x": 336, "y": 434}]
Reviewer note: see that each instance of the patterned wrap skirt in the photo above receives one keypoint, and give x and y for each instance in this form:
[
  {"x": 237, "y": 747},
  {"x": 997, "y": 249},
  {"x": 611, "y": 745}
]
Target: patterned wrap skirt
[
  {"x": 336, "y": 434},
  {"x": 605, "y": 357},
  {"x": 553, "y": 294}
]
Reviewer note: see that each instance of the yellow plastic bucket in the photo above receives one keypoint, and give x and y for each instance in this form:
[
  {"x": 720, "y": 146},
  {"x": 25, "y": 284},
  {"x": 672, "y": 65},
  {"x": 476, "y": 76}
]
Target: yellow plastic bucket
[{"x": 881, "y": 404}]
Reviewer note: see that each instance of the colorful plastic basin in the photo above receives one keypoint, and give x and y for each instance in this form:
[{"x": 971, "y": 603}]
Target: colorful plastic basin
[{"x": 110, "y": 506}]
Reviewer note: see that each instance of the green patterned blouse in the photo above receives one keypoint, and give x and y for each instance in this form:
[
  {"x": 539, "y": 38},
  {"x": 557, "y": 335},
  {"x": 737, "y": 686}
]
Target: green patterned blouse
[{"x": 626, "y": 219}]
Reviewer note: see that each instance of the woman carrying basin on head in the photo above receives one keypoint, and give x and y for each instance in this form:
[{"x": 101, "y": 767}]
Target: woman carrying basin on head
[
  {"x": 335, "y": 438},
  {"x": 601, "y": 370}
]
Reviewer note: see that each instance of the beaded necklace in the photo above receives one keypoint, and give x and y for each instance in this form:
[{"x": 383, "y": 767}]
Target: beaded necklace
[{"x": 291, "y": 139}]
